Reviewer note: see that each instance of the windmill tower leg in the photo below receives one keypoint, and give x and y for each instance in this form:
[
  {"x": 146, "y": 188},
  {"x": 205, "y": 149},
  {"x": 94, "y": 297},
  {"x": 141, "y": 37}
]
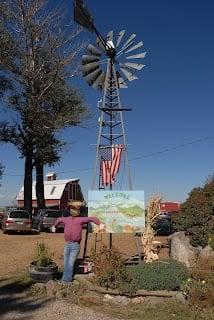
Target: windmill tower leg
[{"x": 111, "y": 124}]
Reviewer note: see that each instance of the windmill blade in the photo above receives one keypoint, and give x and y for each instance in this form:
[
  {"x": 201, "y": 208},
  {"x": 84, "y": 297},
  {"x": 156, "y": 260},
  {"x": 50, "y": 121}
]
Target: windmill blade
[
  {"x": 120, "y": 37},
  {"x": 130, "y": 76},
  {"x": 138, "y": 45},
  {"x": 110, "y": 36},
  {"x": 137, "y": 56},
  {"x": 89, "y": 59},
  {"x": 131, "y": 65},
  {"x": 121, "y": 82},
  {"x": 91, "y": 77},
  {"x": 99, "y": 82},
  {"x": 93, "y": 50},
  {"x": 97, "y": 57},
  {"x": 127, "y": 43},
  {"x": 90, "y": 67}
]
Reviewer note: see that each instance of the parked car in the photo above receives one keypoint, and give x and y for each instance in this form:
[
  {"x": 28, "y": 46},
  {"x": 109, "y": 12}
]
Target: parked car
[
  {"x": 163, "y": 226},
  {"x": 45, "y": 219},
  {"x": 16, "y": 220}
]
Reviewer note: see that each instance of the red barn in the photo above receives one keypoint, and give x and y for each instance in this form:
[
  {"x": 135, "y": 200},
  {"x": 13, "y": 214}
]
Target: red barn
[{"x": 57, "y": 192}]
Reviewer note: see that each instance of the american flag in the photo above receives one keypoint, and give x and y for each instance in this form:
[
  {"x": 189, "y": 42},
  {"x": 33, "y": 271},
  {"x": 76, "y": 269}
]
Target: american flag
[{"x": 110, "y": 162}]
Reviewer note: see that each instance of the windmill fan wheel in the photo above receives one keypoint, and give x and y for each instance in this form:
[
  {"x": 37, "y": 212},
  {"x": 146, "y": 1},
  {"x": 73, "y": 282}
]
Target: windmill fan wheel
[{"x": 122, "y": 52}]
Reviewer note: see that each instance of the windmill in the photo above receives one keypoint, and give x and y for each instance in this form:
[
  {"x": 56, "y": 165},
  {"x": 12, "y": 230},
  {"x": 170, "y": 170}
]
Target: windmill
[{"x": 108, "y": 66}]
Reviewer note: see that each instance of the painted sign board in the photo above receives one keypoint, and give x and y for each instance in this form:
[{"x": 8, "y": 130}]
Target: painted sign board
[{"x": 118, "y": 211}]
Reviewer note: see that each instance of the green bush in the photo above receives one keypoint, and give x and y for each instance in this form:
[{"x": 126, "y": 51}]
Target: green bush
[
  {"x": 42, "y": 256},
  {"x": 197, "y": 215},
  {"x": 157, "y": 275},
  {"x": 111, "y": 272}
]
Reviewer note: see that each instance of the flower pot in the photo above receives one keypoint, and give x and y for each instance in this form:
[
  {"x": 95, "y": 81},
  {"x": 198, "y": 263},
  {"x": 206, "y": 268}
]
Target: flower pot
[{"x": 43, "y": 274}]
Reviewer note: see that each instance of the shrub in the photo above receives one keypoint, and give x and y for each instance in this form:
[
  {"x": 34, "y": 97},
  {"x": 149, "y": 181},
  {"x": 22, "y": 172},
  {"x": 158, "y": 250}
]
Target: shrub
[
  {"x": 42, "y": 255},
  {"x": 199, "y": 287},
  {"x": 197, "y": 215},
  {"x": 198, "y": 292},
  {"x": 106, "y": 259},
  {"x": 111, "y": 272},
  {"x": 157, "y": 275}
]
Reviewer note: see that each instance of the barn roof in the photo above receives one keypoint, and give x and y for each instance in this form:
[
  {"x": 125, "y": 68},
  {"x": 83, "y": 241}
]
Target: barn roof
[{"x": 53, "y": 189}]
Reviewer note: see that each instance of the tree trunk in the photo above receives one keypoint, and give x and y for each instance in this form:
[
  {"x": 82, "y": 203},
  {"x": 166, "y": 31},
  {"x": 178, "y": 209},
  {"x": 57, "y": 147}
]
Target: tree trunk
[
  {"x": 40, "y": 186},
  {"x": 28, "y": 183}
]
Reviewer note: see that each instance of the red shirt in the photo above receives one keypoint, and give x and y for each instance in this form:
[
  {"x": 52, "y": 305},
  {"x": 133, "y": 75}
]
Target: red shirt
[{"x": 73, "y": 226}]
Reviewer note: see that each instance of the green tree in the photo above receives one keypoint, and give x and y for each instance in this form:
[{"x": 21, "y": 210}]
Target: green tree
[
  {"x": 197, "y": 214},
  {"x": 39, "y": 60}
]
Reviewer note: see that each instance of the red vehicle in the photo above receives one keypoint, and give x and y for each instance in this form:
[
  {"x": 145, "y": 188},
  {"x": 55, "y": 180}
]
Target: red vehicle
[
  {"x": 170, "y": 207},
  {"x": 163, "y": 225}
]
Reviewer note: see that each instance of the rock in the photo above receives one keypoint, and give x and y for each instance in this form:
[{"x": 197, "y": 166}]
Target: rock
[
  {"x": 107, "y": 297},
  {"x": 206, "y": 253},
  {"x": 138, "y": 300},
  {"x": 154, "y": 300},
  {"x": 91, "y": 297},
  {"x": 180, "y": 297},
  {"x": 181, "y": 249},
  {"x": 121, "y": 300},
  {"x": 52, "y": 287}
]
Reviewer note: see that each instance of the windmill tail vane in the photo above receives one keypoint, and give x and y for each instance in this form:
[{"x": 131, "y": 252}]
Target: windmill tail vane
[{"x": 83, "y": 17}]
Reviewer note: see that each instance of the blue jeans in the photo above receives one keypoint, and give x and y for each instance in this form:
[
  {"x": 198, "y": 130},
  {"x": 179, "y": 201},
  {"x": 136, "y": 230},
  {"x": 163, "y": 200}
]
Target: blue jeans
[{"x": 71, "y": 253}]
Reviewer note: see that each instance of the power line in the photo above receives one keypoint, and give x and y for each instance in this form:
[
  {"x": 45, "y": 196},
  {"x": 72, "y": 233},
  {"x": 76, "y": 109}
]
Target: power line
[
  {"x": 172, "y": 148},
  {"x": 132, "y": 159}
]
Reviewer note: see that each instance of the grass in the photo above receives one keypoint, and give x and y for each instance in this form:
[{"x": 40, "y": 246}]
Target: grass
[
  {"x": 165, "y": 311},
  {"x": 19, "y": 283}
]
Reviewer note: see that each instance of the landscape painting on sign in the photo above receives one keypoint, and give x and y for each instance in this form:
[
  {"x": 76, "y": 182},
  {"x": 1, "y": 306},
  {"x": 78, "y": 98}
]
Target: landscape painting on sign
[{"x": 118, "y": 211}]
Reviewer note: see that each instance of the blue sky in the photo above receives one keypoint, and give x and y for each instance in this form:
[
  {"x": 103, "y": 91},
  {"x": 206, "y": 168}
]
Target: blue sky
[{"x": 169, "y": 131}]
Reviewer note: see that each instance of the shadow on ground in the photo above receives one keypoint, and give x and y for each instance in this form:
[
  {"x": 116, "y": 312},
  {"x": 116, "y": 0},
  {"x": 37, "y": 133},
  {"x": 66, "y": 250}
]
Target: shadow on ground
[{"x": 14, "y": 300}]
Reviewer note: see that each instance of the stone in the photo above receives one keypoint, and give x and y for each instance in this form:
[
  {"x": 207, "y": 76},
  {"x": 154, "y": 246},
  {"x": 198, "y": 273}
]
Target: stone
[
  {"x": 107, "y": 297},
  {"x": 91, "y": 297},
  {"x": 152, "y": 300},
  {"x": 181, "y": 249},
  {"x": 180, "y": 297},
  {"x": 138, "y": 300},
  {"x": 206, "y": 253},
  {"x": 121, "y": 300},
  {"x": 51, "y": 287}
]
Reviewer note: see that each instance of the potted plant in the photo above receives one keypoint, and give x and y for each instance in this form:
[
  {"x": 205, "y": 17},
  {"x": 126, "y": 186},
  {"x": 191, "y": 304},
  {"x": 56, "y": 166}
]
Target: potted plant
[{"x": 43, "y": 268}]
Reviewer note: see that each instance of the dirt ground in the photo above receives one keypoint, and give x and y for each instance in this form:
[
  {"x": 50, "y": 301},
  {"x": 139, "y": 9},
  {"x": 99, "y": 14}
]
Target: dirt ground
[{"x": 17, "y": 249}]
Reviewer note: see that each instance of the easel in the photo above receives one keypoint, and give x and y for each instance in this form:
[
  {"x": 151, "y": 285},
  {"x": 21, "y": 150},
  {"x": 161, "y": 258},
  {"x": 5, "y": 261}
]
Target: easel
[
  {"x": 96, "y": 240},
  {"x": 132, "y": 260}
]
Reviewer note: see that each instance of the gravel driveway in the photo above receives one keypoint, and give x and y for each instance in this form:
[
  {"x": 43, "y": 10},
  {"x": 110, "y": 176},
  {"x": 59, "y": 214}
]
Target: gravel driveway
[{"x": 15, "y": 305}]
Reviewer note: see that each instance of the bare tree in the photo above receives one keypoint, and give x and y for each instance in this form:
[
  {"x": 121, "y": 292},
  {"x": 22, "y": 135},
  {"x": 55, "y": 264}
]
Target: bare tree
[
  {"x": 1, "y": 171},
  {"x": 40, "y": 59}
]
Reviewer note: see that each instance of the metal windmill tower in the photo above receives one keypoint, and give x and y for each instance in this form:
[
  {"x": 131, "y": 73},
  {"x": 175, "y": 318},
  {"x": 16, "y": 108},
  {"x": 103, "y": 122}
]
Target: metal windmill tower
[{"x": 108, "y": 66}]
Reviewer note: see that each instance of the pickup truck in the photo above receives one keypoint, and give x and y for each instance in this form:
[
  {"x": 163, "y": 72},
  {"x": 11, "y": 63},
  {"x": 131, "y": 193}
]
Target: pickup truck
[{"x": 45, "y": 219}]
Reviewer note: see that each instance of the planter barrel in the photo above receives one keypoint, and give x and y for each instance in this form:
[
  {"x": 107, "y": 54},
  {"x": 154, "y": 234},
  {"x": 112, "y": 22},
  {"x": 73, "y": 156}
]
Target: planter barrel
[{"x": 43, "y": 274}]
